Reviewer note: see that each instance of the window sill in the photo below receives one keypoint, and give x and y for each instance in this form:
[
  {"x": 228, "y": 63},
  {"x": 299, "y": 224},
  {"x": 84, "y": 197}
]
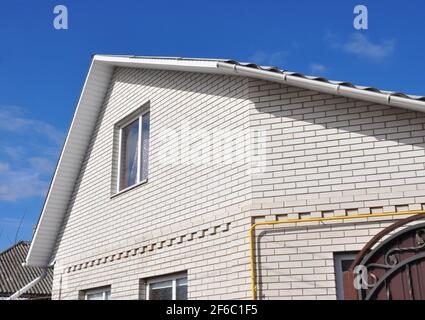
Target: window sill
[{"x": 129, "y": 188}]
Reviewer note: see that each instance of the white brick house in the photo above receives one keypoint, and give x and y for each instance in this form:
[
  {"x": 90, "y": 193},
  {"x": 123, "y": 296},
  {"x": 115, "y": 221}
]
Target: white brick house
[{"x": 168, "y": 162}]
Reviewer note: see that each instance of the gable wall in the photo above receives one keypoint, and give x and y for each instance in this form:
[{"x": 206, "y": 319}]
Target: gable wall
[{"x": 185, "y": 201}]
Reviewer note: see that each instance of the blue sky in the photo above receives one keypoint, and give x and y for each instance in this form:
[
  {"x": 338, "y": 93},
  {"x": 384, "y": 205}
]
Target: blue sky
[{"x": 42, "y": 69}]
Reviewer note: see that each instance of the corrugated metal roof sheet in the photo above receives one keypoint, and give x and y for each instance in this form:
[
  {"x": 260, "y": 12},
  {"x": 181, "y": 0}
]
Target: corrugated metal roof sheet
[
  {"x": 13, "y": 276},
  {"x": 283, "y": 71},
  {"x": 321, "y": 79}
]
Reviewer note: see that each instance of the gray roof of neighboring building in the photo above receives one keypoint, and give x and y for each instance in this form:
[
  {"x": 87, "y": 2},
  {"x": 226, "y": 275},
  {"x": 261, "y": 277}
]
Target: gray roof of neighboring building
[{"x": 13, "y": 276}]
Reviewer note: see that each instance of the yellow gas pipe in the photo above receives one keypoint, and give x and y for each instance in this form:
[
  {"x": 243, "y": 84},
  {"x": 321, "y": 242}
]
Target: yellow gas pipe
[{"x": 252, "y": 230}]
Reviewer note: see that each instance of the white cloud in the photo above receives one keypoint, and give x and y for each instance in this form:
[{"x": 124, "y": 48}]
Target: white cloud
[
  {"x": 42, "y": 165},
  {"x": 28, "y": 152},
  {"x": 13, "y": 151},
  {"x": 277, "y": 58},
  {"x": 318, "y": 69},
  {"x": 3, "y": 167},
  {"x": 360, "y": 45},
  {"x": 11, "y": 120},
  {"x": 22, "y": 183}
]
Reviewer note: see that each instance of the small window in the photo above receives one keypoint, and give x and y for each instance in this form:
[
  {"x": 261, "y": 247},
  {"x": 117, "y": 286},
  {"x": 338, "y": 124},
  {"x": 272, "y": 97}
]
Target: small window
[
  {"x": 342, "y": 262},
  {"x": 133, "y": 156},
  {"x": 167, "y": 288},
  {"x": 98, "y": 294}
]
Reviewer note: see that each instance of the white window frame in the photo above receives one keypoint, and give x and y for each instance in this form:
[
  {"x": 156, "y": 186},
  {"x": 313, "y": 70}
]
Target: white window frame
[
  {"x": 139, "y": 148},
  {"x": 102, "y": 290},
  {"x": 172, "y": 278},
  {"x": 339, "y": 278}
]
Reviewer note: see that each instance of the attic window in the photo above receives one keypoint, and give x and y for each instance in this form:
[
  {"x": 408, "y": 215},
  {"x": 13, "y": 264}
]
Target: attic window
[{"x": 133, "y": 151}]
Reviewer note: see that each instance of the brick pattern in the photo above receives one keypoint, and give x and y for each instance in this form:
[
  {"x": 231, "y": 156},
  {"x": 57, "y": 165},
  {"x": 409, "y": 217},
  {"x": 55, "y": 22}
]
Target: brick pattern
[
  {"x": 323, "y": 156},
  {"x": 333, "y": 153},
  {"x": 214, "y": 266},
  {"x": 152, "y": 246},
  {"x": 327, "y": 156},
  {"x": 297, "y": 262},
  {"x": 179, "y": 198}
]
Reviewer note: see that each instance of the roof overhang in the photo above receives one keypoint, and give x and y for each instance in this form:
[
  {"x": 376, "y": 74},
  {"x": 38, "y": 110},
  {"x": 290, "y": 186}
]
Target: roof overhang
[{"x": 91, "y": 100}]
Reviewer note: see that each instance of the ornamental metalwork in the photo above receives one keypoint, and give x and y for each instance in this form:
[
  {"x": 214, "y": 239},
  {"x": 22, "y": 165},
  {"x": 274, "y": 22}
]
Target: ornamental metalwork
[{"x": 394, "y": 269}]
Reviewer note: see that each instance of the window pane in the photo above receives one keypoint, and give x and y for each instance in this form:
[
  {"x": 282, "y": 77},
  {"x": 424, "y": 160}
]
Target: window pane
[
  {"x": 95, "y": 296},
  {"x": 145, "y": 146},
  {"x": 108, "y": 295},
  {"x": 182, "y": 282},
  {"x": 161, "y": 291},
  {"x": 129, "y": 152},
  {"x": 181, "y": 290},
  {"x": 346, "y": 264}
]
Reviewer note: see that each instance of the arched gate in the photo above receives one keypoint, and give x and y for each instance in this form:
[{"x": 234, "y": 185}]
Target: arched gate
[{"x": 394, "y": 269}]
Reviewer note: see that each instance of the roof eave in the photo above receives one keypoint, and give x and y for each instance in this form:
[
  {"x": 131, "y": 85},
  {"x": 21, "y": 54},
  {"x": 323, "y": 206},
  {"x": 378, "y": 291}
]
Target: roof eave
[
  {"x": 389, "y": 99},
  {"x": 66, "y": 172}
]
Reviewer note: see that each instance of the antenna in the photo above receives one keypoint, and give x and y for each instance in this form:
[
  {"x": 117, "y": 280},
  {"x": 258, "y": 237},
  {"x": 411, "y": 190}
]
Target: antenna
[{"x": 19, "y": 226}]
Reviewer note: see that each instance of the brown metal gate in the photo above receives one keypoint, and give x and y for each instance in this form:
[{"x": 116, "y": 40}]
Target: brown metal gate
[{"x": 392, "y": 270}]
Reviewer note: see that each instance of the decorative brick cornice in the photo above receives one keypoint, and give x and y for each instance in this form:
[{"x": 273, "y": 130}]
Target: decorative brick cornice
[{"x": 150, "y": 247}]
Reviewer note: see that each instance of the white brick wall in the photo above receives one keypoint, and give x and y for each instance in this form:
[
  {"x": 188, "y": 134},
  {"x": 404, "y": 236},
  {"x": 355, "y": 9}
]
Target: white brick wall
[
  {"x": 330, "y": 153},
  {"x": 201, "y": 202},
  {"x": 324, "y": 156},
  {"x": 327, "y": 156},
  {"x": 298, "y": 262}
]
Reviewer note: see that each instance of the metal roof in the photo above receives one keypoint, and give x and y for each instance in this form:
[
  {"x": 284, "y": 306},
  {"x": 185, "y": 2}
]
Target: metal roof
[
  {"x": 41, "y": 252},
  {"x": 322, "y": 79},
  {"x": 13, "y": 276},
  {"x": 278, "y": 70}
]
